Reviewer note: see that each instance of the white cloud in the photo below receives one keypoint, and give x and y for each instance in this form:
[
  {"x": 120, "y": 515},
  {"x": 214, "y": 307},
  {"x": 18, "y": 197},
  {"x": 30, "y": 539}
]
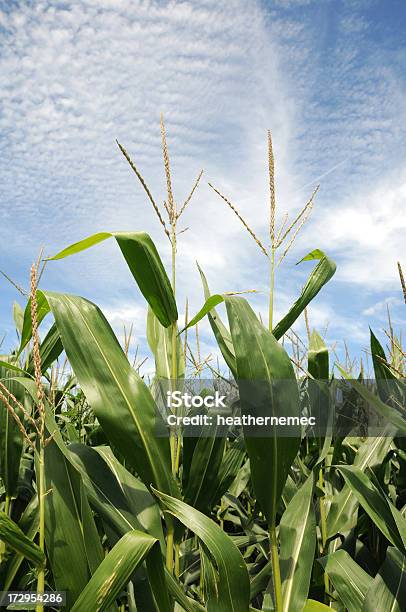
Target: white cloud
[
  {"x": 76, "y": 75},
  {"x": 368, "y": 230}
]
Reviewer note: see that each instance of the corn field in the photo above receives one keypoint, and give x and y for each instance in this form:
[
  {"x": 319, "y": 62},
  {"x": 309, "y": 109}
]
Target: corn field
[{"x": 95, "y": 503}]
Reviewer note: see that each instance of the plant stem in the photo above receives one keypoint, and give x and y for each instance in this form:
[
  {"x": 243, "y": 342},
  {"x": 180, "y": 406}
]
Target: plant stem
[
  {"x": 7, "y": 505},
  {"x": 323, "y": 525},
  {"x": 276, "y": 570},
  {"x": 41, "y": 499},
  {"x": 7, "y": 508},
  {"x": 177, "y": 559},
  {"x": 271, "y": 289},
  {"x": 175, "y": 442},
  {"x": 169, "y": 548},
  {"x": 175, "y": 434}
]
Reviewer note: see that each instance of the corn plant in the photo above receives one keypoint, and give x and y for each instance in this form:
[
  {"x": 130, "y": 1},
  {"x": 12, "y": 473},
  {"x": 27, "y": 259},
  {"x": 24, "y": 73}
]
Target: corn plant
[{"x": 96, "y": 503}]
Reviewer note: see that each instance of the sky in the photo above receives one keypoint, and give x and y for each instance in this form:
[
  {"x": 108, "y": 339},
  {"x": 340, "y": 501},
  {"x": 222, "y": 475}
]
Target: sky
[{"x": 327, "y": 77}]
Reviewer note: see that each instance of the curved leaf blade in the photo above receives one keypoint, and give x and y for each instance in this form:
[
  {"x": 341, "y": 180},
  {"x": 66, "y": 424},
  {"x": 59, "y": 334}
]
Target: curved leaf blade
[
  {"x": 115, "y": 572},
  {"x": 370, "y": 454},
  {"x": 350, "y": 581},
  {"x": 145, "y": 265},
  {"x": 377, "y": 506},
  {"x": 321, "y": 274},
  {"x": 119, "y": 397},
  {"x": 11, "y": 533},
  {"x": 388, "y": 590},
  {"x": 233, "y": 591},
  {"x": 315, "y": 606}
]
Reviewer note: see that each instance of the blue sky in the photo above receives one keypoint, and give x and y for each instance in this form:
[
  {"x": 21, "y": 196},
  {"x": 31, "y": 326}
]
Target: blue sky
[{"x": 326, "y": 76}]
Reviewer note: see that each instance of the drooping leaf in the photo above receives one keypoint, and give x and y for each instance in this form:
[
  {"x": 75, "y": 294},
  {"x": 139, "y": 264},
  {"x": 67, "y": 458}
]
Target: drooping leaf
[
  {"x": 5, "y": 365},
  {"x": 390, "y": 414},
  {"x": 321, "y": 274},
  {"x": 145, "y": 265},
  {"x": 388, "y": 589},
  {"x": 376, "y": 505},
  {"x": 350, "y": 581},
  {"x": 232, "y": 594},
  {"x": 115, "y": 571},
  {"x": 139, "y": 498},
  {"x": 28, "y": 524},
  {"x": 14, "y": 537},
  {"x": 208, "y": 306},
  {"x": 344, "y": 504},
  {"x": 268, "y": 388},
  {"x": 105, "y": 493},
  {"x": 297, "y": 534}
]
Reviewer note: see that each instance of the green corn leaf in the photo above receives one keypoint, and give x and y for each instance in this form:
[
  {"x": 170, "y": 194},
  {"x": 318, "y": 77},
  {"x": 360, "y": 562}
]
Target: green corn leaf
[
  {"x": 11, "y": 440},
  {"x": 71, "y": 538},
  {"x": 229, "y": 469},
  {"x": 145, "y": 265},
  {"x": 318, "y": 361},
  {"x": 350, "y": 581},
  {"x": 321, "y": 274},
  {"x": 176, "y": 590},
  {"x": 315, "y": 606},
  {"x": 105, "y": 493},
  {"x": 341, "y": 514},
  {"x": 13, "y": 536},
  {"x": 42, "y": 311},
  {"x": 388, "y": 589},
  {"x": 267, "y": 388},
  {"x": 220, "y": 331},
  {"x": 388, "y": 384},
  {"x": 211, "y": 302},
  {"x": 204, "y": 470},
  {"x": 232, "y": 586},
  {"x": 143, "y": 505},
  {"x": 6, "y": 365},
  {"x": 391, "y": 415},
  {"x": 118, "y": 396},
  {"x": 18, "y": 316},
  {"x": 318, "y": 368},
  {"x": 28, "y": 524},
  {"x": 377, "y": 506},
  {"x": 160, "y": 342},
  {"x": 115, "y": 571},
  {"x": 297, "y": 534}
]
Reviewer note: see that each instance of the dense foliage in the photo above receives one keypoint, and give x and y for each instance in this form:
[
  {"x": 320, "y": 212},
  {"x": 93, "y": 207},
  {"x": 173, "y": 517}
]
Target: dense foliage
[{"x": 95, "y": 503}]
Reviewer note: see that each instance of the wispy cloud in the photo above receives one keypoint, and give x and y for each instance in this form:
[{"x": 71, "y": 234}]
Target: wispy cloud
[{"x": 74, "y": 76}]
